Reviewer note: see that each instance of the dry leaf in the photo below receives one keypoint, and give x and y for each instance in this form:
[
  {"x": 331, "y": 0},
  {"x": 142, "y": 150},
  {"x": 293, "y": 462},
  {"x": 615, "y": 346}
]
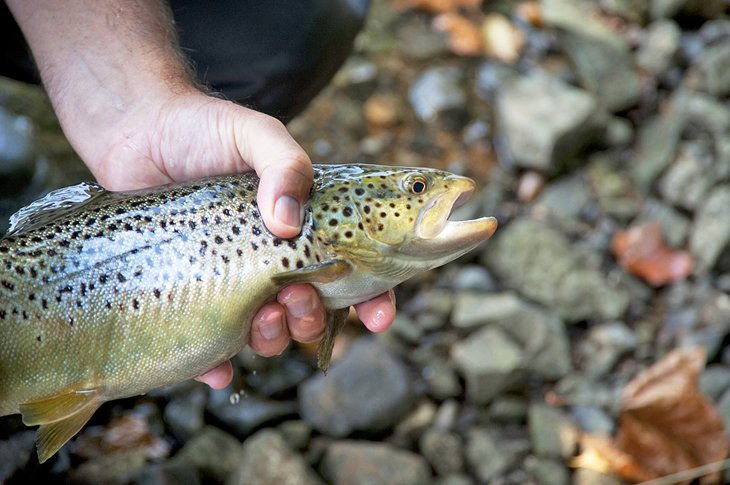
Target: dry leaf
[
  {"x": 666, "y": 424},
  {"x": 641, "y": 250},
  {"x": 129, "y": 431},
  {"x": 502, "y": 40},
  {"x": 437, "y": 6},
  {"x": 465, "y": 37}
]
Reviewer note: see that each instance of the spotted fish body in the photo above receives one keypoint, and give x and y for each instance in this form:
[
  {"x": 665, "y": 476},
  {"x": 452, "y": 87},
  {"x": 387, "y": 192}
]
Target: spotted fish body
[{"x": 105, "y": 295}]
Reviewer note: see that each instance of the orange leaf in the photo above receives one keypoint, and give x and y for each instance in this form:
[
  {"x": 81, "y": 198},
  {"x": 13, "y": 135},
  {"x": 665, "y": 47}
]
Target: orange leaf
[
  {"x": 465, "y": 37},
  {"x": 666, "y": 424},
  {"x": 641, "y": 250},
  {"x": 437, "y": 6}
]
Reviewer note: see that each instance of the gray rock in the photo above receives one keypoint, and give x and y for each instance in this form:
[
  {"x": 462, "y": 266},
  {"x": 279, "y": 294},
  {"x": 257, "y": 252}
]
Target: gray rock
[
  {"x": 368, "y": 463},
  {"x": 443, "y": 450},
  {"x": 213, "y": 452},
  {"x": 619, "y": 132},
  {"x": 541, "y": 264},
  {"x": 166, "y": 472},
  {"x": 547, "y": 471},
  {"x": 473, "y": 310},
  {"x": 715, "y": 380},
  {"x": 410, "y": 428},
  {"x": 539, "y": 133},
  {"x": 702, "y": 110},
  {"x": 602, "y": 59},
  {"x": 473, "y": 277},
  {"x": 456, "y": 479},
  {"x": 674, "y": 224},
  {"x": 710, "y": 233},
  {"x": 709, "y": 74},
  {"x": 552, "y": 433},
  {"x": 441, "y": 379},
  {"x": 604, "y": 345},
  {"x": 15, "y": 452},
  {"x": 586, "y": 476},
  {"x": 488, "y": 360},
  {"x": 268, "y": 459},
  {"x": 656, "y": 147},
  {"x": 296, "y": 433},
  {"x": 564, "y": 198},
  {"x": 508, "y": 409},
  {"x": 543, "y": 339},
  {"x": 404, "y": 327},
  {"x": 116, "y": 468},
  {"x": 592, "y": 420},
  {"x": 248, "y": 413},
  {"x": 659, "y": 47},
  {"x": 688, "y": 179},
  {"x": 369, "y": 389},
  {"x": 665, "y": 8},
  {"x": 437, "y": 96},
  {"x": 184, "y": 413},
  {"x": 485, "y": 456}
]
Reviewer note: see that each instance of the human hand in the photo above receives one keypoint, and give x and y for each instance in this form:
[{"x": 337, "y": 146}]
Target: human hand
[
  {"x": 128, "y": 107},
  {"x": 194, "y": 135}
]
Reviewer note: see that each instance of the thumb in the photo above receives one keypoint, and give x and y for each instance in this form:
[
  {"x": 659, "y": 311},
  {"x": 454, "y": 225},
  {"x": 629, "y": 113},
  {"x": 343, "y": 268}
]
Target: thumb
[{"x": 284, "y": 169}]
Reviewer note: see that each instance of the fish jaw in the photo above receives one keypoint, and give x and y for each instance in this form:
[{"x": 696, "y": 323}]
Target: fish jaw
[{"x": 441, "y": 240}]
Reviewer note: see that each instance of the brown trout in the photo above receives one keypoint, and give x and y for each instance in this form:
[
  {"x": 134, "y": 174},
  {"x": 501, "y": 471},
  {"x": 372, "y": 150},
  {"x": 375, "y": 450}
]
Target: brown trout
[{"x": 105, "y": 295}]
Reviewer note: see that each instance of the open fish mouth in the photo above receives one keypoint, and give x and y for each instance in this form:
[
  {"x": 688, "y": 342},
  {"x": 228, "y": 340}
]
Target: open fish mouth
[{"x": 437, "y": 234}]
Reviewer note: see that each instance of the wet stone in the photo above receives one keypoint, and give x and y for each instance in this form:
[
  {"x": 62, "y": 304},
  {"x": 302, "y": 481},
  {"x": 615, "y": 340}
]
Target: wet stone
[
  {"x": 538, "y": 132},
  {"x": 212, "y": 452},
  {"x": 441, "y": 379},
  {"x": 710, "y": 233},
  {"x": 593, "y": 420},
  {"x": 369, "y": 463},
  {"x": 267, "y": 458},
  {"x": 473, "y": 310},
  {"x": 296, "y": 433},
  {"x": 659, "y": 47},
  {"x": 119, "y": 467},
  {"x": 709, "y": 74},
  {"x": 473, "y": 277},
  {"x": 547, "y": 471},
  {"x": 565, "y": 198},
  {"x": 491, "y": 452},
  {"x": 674, "y": 224},
  {"x": 603, "y": 346},
  {"x": 368, "y": 390},
  {"x": 656, "y": 147},
  {"x": 249, "y": 413},
  {"x": 175, "y": 472},
  {"x": 15, "y": 453},
  {"x": 541, "y": 264},
  {"x": 688, "y": 179},
  {"x": 184, "y": 413},
  {"x": 552, "y": 433},
  {"x": 437, "y": 96},
  {"x": 443, "y": 450},
  {"x": 488, "y": 360},
  {"x": 508, "y": 409},
  {"x": 715, "y": 380}
]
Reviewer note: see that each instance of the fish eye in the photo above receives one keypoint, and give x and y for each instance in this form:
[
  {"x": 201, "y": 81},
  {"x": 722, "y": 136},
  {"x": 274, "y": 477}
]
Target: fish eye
[{"x": 417, "y": 185}]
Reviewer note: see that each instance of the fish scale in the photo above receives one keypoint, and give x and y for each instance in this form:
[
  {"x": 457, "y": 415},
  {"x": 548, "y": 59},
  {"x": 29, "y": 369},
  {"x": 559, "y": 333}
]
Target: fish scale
[{"x": 106, "y": 295}]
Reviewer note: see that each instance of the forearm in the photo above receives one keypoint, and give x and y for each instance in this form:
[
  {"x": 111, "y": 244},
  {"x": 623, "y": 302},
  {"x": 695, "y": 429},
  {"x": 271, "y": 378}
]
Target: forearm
[{"x": 101, "y": 61}]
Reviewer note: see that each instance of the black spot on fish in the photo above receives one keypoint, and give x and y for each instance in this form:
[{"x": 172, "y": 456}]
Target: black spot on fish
[
  {"x": 383, "y": 215},
  {"x": 8, "y": 285},
  {"x": 226, "y": 212},
  {"x": 348, "y": 234},
  {"x": 360, "y": 226},
  {"x": 3, "y": 314},
  {"x": 256, "y": 231},
  {"x": 38, "y": 338},
  {"x": 285, "y": 262},
  {"x": 300, "y": 263},
  {"x": 359, "y": 191},
  {"x": 306, "y": 250},
  {"x": 347, "y": 212},
  {"x": 236, "y": 230},
  {"x": 276, "y": 242},
  {"x": 366, "y": 209},
  {"x": 44, "y": 303},
  {"x": 333, "y": 222},
  {"x": 225, "y": 259},
  {"x": 102, "y": 278},
  {"x": 218, "y": 240},
  {"x": 156, "y": 292},
  {"x": 121, "y": 278},
  {"x": 135, "y": 304},
  {"x": 292, "y": 244}
]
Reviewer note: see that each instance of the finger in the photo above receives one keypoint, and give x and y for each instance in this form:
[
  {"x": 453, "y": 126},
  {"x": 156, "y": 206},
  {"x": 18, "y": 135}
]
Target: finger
[
  {"x": 219, "y": 377},
  {"x": 269, "y": 335},
  {"x": 304, "y": 312},
  {"x": 284, "y": 169},
  {"x": 377, "y": 314}
]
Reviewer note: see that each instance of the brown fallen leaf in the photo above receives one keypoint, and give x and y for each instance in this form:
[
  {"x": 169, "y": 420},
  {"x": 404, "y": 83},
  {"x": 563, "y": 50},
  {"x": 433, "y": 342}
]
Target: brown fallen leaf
[
  {"x": 465, "y": 36},
  {"x": 126, "y": 432},
  {"x": 436, "y": 6},
  {"x": 642, "y": 251},
  {"x": 666, "y": 425}
]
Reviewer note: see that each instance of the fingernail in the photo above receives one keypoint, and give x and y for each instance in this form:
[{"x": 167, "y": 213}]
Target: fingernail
[
  {"x": 300, "y": 307},
  {"x": 271, "y": 328},
  {"x": 288, "y": 211},
  {"x": 391, "y": 296}
]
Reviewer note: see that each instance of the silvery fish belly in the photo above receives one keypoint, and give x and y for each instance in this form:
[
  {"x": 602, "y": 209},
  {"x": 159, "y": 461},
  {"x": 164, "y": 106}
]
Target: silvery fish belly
[{"x": 105, "y": 295}]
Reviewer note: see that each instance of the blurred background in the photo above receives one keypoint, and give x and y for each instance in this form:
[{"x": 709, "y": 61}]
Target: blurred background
[{"x": 599, "y": 133}]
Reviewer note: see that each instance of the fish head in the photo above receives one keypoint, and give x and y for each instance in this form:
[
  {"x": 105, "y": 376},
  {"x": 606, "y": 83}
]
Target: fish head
[{"x": 394, "y": 221}]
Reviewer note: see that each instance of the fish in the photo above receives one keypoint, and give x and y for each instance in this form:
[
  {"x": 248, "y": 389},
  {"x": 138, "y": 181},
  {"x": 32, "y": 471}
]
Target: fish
[{"x": 106, "y": 295}]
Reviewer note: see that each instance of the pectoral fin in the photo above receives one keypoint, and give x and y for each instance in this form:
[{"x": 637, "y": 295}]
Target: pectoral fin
[
  {"x": 51, "y": 437},
  {"x": 317, "y": 273},
  {"x": 335, "y": 321},
  {"x": 60, "y": 418}
]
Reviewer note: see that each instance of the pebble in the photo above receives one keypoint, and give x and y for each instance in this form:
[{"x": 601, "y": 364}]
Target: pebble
[
  {"x": 184, "y": 413},
  {"x": 249, "y": 413},
  {"x": 708, "y": 74},
  {"x": 267, "y": 459},
  {"x": 602, "y": 59},
  {"x": 674, "y": 224},
  {"x": 688, "y": 179},
  {"x": 488, "y": 360},
  {"x": 603, "y": 346},
  {"x": 547, "y": 471},
  {"x": 213, "y": 452},
  {"x": 473, "y": 277},
  {"x": 714, "y": 381},
  {"x": 369, "y": 389},
  {"x": 508, "y": 409},
  {"x": 437, "y": 96},
  {"x": 368, "y": 463},
  {"x": 485, "y": 454},
  {"x": 552, "y": 433},
  {"x": 542, "y": 265},
  {"x": 659, "y": 47},
  {"x": 540, "y": 134},
  {"x": 656, "y": 147},
  {"x": 472, "y": 310},
  {"x": 15, "y": 452},
  {"x": 592, "y": 420},
  {"x": 296, "y": 433},
  {"x": 710, "y": 233},
  {"x": 443, "y": 450},
  {"x": 564, "y": 198}
]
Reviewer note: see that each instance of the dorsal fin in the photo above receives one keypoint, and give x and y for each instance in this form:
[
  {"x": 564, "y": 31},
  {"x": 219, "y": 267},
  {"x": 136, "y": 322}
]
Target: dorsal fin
[{"x": 53, "y": 205}]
